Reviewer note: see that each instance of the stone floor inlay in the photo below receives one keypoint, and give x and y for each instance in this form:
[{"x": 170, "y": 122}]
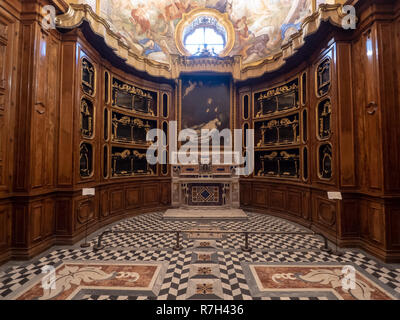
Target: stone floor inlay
[
  {"x": 211, "y": 265},
  {"x": 305, "y": 279}
]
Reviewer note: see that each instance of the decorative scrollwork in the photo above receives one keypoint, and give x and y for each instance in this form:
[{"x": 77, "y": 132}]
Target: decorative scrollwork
[
  {"x": 323, "y": 77},
  {"x": 87, "y": 118},
  {"x": 86, "y": 160},
  {"x": 371, "y": 108},
  {"x": 281, "y": 131},
  {"x": 130, "y": 162},
  {"x": 88, "y": 77},
  {"x": 132, "y": 98},
  {"x": 128, "y": 129},
  {"x": 284, "y": 164},
  {"x": 324, "y": 111},
  {"x": 325, "y": 165},
  {"x": 277, "y": 100}
]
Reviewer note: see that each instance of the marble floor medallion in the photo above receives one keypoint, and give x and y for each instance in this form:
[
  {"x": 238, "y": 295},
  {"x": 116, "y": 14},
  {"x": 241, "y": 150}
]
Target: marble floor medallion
[
  {"x": 201, "y": 271},
  {"x": 204, "y": 256},
  {"x": 334, "y": 281},
  {"x": 72, "y": 280},
  {"x": 204, "y": 232},
  {"x": 210, "y": 265},
  {"x": 204, "y": 244},
  {"x": 204, "y": 289}
]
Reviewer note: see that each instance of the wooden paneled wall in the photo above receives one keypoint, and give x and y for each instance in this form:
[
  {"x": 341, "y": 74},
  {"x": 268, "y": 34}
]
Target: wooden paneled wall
[
  {"x": 112, "y": 202},
  {"x": 9, "y": 68},
  {"x": 40, "y": 187},
  {"x": 365, "y": 99}
]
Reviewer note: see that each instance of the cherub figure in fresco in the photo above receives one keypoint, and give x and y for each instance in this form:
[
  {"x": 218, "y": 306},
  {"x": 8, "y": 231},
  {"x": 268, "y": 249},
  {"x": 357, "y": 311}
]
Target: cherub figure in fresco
[
  {"x": 244, "y": 36},
  {"x": 229, "y": 8},
  {"x": 127, "y": 36},
  {"x": 242, "y": 30},
  {"x": 258, "y": 47},
  {"x": 294, "y": 18},
  {"x": 174, "y": 11},
  {"x": 271, "y": 23},
  {"x": 220, "y": 5},
  {"x": 140, "y": 20},
  {"x": 149, "y": 45},
  {"x": 154, "y": 46}
]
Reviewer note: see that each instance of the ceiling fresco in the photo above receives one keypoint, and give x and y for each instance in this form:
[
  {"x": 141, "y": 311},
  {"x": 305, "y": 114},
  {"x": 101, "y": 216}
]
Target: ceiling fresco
[{"x": 261, "y": 26}]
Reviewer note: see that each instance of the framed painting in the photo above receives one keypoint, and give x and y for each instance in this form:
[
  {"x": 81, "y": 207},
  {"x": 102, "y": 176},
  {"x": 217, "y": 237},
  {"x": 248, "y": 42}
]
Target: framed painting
[{"x": 205, "y": 103}]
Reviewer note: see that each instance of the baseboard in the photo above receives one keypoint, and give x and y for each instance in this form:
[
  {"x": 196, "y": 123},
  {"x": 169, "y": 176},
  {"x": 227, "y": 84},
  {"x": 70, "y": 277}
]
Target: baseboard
[
  {"x": 352, "y": 242},
  {"x": 384, "y": 255},
  {"x": 105, "y": 221},
  {"x": 23, "y": 254},
  {"x": 31, "y": 252},
  {"x": 5, "y": 256},
  {"x": 301, "y": 221}
]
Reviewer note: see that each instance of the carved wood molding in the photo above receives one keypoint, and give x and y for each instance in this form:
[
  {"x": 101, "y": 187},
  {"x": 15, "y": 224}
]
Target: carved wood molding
[{"x": 78, "y": 13}]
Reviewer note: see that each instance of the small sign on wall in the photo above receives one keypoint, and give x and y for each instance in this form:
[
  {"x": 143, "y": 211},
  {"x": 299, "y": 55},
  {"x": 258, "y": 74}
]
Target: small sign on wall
[
  {"x": 88, "y": 191},
  {"x": 333, "y": 195}
]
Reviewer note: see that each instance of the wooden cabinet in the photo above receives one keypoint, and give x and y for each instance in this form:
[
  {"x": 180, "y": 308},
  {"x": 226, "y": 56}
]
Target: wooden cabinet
[
  {"x": 5, "y": 232},
  {"x": 9, "y": 27},
  {"x": 278, "y": 128},
  {"x": 348, "y": 136},
  {"x": 74, "y": 115},
  {"x": 9, "y": 58}
]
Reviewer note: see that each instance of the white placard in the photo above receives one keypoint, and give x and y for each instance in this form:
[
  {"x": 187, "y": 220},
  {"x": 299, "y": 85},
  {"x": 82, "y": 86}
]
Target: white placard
[
  {"x": 88, "y": 191},
  {"x": 333, "y": 195}
]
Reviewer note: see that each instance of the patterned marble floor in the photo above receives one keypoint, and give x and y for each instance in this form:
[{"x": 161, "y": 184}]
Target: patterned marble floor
[{"x": 211, "y": 265}]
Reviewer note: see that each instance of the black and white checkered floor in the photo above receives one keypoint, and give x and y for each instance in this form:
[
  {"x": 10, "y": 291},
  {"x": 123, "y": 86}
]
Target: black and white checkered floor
[{"x": 225, "y": 252}]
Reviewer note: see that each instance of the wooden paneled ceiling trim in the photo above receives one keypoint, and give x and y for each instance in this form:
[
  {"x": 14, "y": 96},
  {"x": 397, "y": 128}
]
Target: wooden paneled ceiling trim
[{"x": 77, "y": 13}]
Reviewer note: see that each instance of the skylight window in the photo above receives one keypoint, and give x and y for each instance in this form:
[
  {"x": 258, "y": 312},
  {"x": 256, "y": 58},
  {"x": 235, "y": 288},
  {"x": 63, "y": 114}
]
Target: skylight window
[{"x": 204, "y": 33}]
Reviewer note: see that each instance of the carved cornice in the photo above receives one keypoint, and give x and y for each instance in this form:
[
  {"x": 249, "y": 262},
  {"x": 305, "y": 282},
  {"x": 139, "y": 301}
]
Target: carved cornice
[
  {"x": 222, "y": 18},
  {"x": 77, "y": 13},
  {"x": 327, "y": 12},
  {"x": 60, "y": 5},
  {"x": 186, "y": 64}
]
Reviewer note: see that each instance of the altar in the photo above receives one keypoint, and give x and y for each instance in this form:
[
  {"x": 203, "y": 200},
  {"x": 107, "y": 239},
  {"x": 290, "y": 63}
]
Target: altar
[{"x": 212, "y": 185}]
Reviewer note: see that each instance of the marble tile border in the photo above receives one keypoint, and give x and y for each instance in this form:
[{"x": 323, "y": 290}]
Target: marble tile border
[
  {"x": 155, "y": 284},
  {"x": 196, "y": 257},
  {"x": 213, "y": 268},
  {"x": 254, "y": 285},
  {"x": 216, "y": 294}
]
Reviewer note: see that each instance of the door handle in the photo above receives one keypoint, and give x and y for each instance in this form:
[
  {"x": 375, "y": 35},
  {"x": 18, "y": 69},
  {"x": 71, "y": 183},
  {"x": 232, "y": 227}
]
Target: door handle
[{"x": 371, "y": 108}]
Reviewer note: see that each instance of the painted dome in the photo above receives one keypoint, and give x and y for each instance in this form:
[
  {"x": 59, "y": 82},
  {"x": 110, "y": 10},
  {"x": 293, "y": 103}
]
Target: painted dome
[{"x": 148, "y": 27}]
